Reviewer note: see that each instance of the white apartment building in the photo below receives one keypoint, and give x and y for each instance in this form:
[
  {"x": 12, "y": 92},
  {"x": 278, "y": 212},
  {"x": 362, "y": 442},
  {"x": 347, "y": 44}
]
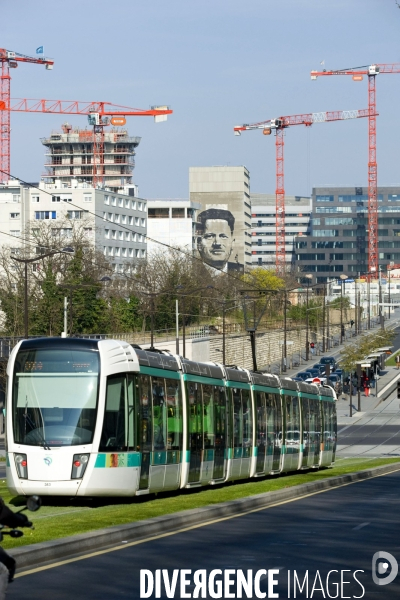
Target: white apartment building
[
  {"x": 172, "y": 222},
  {"x": 263, "y": 226},
  {"x": 116, "y": 223}
]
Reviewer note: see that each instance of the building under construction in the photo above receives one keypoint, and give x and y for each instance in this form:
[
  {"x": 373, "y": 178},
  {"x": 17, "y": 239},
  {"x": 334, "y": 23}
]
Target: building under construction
[{"x": 70, "y": 156}]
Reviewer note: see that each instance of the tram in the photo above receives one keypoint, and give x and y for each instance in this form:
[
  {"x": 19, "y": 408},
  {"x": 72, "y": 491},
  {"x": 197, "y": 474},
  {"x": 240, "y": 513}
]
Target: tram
[{"x": 105, "y": 418}]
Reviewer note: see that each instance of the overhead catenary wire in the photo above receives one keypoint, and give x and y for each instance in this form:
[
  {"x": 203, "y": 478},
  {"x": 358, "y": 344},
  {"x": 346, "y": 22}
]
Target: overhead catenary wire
[{"x": 93, "y": 213}]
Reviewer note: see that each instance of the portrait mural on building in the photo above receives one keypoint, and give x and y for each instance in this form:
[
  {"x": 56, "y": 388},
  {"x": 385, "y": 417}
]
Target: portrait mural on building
[{"x": 216, "y": 238}]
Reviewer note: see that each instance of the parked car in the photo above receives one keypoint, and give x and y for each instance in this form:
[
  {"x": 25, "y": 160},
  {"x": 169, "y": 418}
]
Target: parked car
[
  {"x": 321, "y": 368},
  {"x": 312, "y": 380},
  {"x": 296, "y": 379},
  {"x": 340, "y": 373},
  {"x": 304, "y": 375},
  {"x": 314, "y": 372},
  {"x": 329, "y": 360}
]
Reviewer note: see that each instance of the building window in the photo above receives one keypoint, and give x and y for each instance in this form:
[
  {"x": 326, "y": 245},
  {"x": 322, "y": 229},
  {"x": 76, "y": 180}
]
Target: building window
[
  {"x": 123, "y": 219},
  {"x": 74, "y": 214},
  {"x": 106, "y": 199},
  {"x": 56, "y": 198},
  {"x": 324, "y": 198},
  {"x": 130, "y": 252},
  {"x": 15, "y": 215},
  {"x": 158, "y": 213},
  {"x": 110, "y": 251},
  {"x": 143, "y": 222},
  {"x": 120, "y": 202},
  {"x": 88, "y": 231},
  {"x": 124, "y": 253},
  {"x": 114, "y": 234},
  {"x": 117, "y": 218},
  {"x": 110, "y": 217},
  {"x": 120, "y": 235},
  {"x": 15, "y": 232},
  {"x": 117, "y": 251},
  {"x": 144, "y": 207},
  {"x": 136, "y": 220},
  {"x": 130, "y": 220},
  {"x": 45, "y": 214},
  {"x": 178, "y": 213},
  {"x": 16, "y": 198},
  {"x": 143, "y": 253},
  {"x": 87, "y": 197},
  {"x": 134, "y": 237},
  {"x": 127, "y": 236},
  {"x": 136, "y": 253},
  {"x": 114, "y": 201},
  {"x": 140, "y": 206},
  {"x": 126, "y": 203},
  {"x": 140, "y": 237},
  {"x": 35, "y": 198},
  {"x": 133, "y": 204}
]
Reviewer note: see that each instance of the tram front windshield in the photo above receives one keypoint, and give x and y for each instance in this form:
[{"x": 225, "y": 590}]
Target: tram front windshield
[{"x": 54, "y": 400}]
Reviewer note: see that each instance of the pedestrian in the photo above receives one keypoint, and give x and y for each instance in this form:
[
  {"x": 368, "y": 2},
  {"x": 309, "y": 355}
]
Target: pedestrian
[
  {"x": 367, "y": 385},
  {"x": 398, "y": 361}
]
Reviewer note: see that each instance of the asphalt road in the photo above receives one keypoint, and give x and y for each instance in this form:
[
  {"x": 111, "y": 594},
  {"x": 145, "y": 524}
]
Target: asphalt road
[{"x": 336, "y": 530}]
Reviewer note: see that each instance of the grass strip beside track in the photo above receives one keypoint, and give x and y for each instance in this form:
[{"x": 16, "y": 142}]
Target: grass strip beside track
[
  {"x": 62, "y": 517},
  {"x": 391, "y": 361}
]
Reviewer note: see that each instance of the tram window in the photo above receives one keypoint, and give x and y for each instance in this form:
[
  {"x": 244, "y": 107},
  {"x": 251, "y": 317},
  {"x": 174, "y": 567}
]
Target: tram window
[
  {"x": 208, "y": 416},
  {"x": 174, "y": 411},
  {"x": 113, "y": 436},
  {"x": 159, "y": 413}
]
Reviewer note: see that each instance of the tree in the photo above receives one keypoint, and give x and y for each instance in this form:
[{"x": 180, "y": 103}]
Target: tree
[
  {"x": 353, "y": 353},
  {"x": 263, "y": 279}
]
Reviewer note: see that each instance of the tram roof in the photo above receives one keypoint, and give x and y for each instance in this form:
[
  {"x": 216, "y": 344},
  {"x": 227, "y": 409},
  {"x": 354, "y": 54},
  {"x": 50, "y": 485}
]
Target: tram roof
[
  {"x": 157, "y": 360},
  {"x": 210, "y": 370},
  {"x": 264, "y": 379}
]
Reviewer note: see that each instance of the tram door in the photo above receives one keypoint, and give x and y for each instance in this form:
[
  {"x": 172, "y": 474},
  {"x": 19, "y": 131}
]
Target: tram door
[
  {"x": 220, "y": 427},
  {"x": 195, "y": 430},
  {"x": 145, "y": 429},
  {"x": 307, "y": 430},
  {"x": 261, "y": 430},
  {"x": 274, "y": 430}
]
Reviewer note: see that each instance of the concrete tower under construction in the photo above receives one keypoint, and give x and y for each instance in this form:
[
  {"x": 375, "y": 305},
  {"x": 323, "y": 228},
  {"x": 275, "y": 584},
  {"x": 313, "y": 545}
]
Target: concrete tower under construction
[{"x": 69, "y": 157}]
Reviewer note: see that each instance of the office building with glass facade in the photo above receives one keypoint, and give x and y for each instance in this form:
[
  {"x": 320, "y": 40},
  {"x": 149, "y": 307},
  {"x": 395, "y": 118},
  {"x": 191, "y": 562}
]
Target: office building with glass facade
[{"x": 338, "y": 242}]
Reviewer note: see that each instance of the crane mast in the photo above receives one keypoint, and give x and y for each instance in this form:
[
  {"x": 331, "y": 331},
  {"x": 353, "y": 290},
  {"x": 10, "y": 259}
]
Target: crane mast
[
  {"x": 357, "y": 73},
  {"x": 279, "y": 125},
  {"x": 9, "y": 60}
]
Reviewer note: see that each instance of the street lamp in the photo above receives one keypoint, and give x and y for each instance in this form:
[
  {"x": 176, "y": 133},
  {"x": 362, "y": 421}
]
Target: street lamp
[
  {"x": 71, "y": 287},
  {"x": 182, "y": 296},
  {"x": 26, "y": 261},
  {"x": 343, "y": 278},
  {"x": 309, "y": 277}
]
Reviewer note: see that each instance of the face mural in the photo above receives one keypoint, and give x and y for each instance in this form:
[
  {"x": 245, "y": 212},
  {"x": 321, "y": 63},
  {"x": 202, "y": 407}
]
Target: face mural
[{"x": 215, "y": 240}]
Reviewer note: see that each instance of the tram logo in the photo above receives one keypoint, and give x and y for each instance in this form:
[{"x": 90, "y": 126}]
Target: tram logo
[
  {"x": 381, "y": 561},
  {"x": 47, "y": 460}
]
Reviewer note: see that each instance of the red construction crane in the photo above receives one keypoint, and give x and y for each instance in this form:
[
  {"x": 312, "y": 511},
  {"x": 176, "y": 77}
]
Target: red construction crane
[
  {"x": 9, "y": 60},
  {"x": 357, "y": 74},
  {"x": 279, "y": 125},
  {"x": 100, "y": 114}
]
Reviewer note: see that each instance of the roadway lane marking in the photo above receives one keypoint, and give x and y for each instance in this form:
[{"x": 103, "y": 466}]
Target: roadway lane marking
[
  {"x": 192, "y": 527},
  {"x": 360, "y": 526}
]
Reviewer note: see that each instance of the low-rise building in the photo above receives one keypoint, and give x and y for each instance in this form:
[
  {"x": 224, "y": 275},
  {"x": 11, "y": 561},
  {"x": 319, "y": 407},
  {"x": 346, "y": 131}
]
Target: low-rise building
[{"x": 171, "y": 221}]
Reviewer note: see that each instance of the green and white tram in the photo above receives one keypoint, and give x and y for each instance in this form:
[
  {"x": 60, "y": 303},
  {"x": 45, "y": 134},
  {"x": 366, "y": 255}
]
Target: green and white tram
[{"x": 104, "y": 418}]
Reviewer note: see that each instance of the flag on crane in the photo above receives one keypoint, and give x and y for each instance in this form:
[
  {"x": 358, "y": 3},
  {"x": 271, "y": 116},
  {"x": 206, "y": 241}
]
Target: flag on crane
[{"x": 39, "y": 50}]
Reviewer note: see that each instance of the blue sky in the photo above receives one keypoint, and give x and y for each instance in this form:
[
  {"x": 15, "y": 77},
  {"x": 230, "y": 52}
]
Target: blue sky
[{"x": 217, "y": 63}]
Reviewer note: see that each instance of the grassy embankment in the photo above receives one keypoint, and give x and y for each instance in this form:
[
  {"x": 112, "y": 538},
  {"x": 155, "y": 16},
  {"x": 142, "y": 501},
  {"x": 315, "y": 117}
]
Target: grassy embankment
[{"x": 61, "y": 517}]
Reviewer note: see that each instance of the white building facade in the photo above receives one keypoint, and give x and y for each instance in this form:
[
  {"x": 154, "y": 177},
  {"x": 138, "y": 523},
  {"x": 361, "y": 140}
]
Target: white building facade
[
  {"x": 298, "y": 211},
  {"x": 115, "y": 223},
  {"x": 171, "y": 222}
]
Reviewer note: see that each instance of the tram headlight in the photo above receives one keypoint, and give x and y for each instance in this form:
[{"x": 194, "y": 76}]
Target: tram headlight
[
  {"x": 79, "y": 464},
  {"x": 21, "y": 464}
]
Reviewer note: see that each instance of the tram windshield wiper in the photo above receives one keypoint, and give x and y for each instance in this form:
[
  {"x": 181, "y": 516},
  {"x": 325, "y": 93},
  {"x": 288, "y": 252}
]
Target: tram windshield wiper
[{"x": 28, "y": 421}]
